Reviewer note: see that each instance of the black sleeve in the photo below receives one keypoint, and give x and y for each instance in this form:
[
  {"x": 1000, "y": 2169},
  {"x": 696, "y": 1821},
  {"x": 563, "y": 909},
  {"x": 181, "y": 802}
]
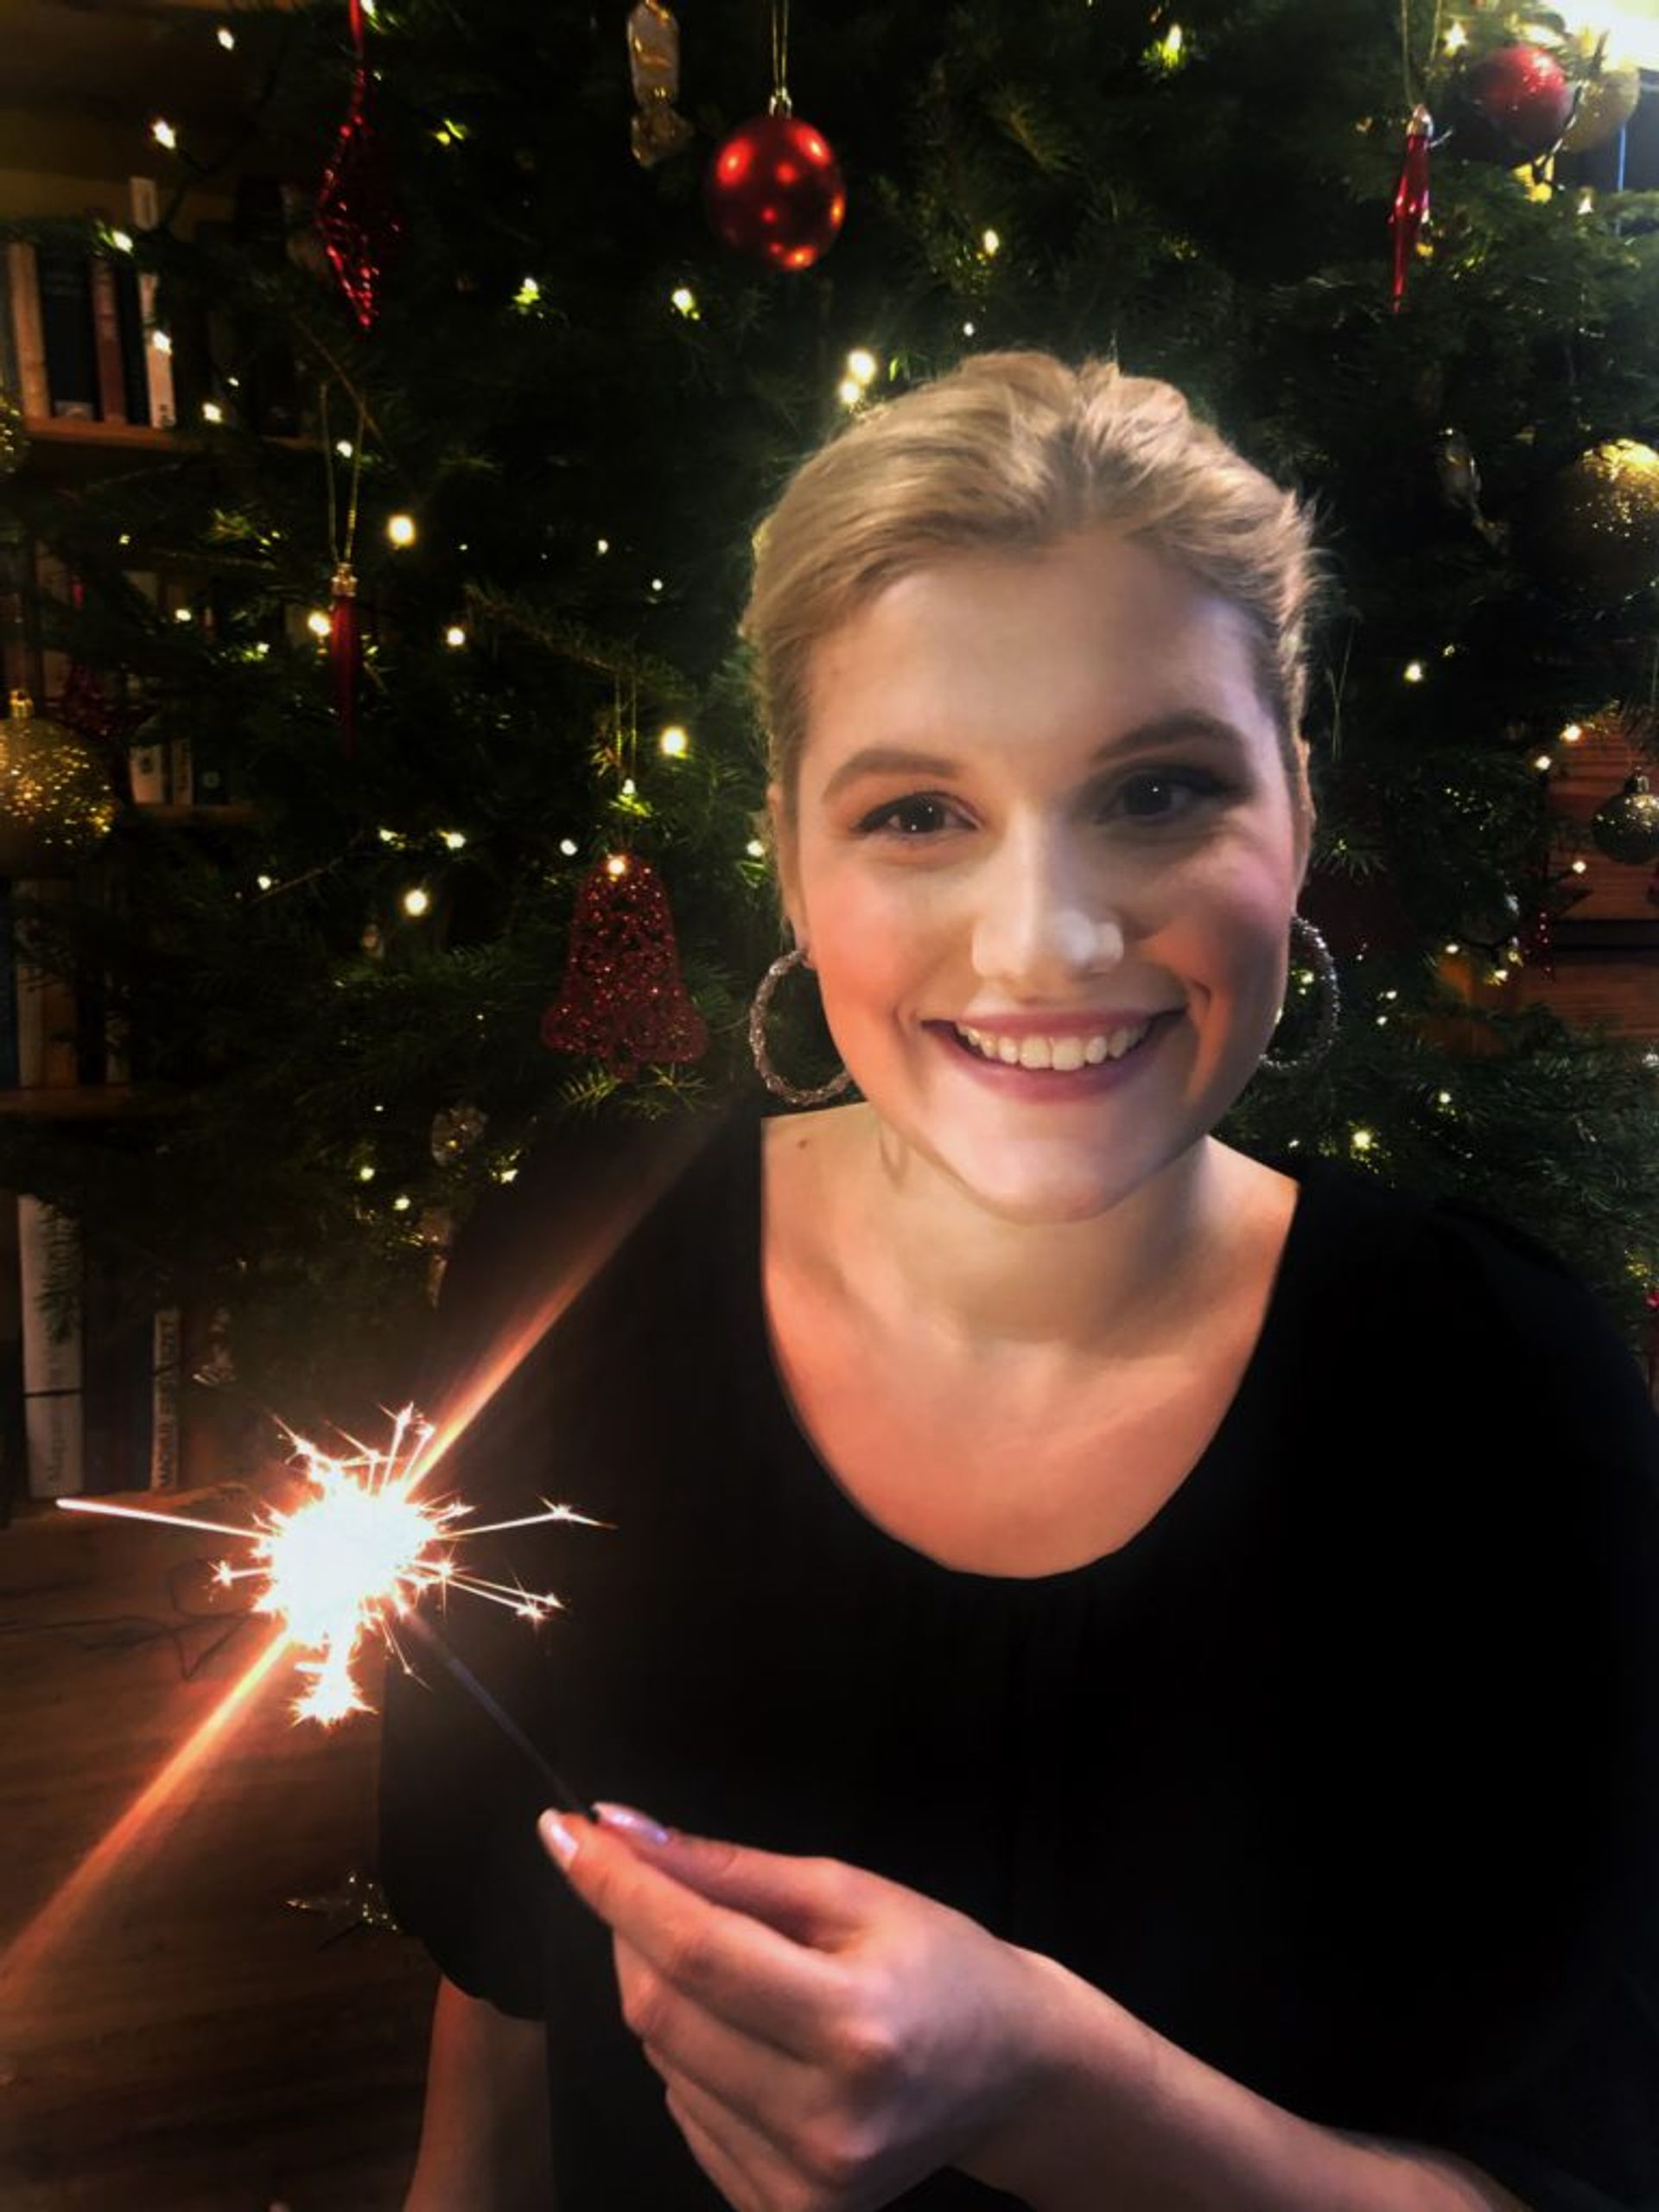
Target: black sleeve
[
  {"x": 532, "y": 1293},
  {"x": 1542, "y": 1820}
]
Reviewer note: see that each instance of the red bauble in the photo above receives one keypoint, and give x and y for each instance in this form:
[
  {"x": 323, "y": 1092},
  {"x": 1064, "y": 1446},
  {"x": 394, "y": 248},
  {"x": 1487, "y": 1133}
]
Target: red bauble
[
  {"x": 774, "y": 191},
  {"x": 1512, "y": 106}
]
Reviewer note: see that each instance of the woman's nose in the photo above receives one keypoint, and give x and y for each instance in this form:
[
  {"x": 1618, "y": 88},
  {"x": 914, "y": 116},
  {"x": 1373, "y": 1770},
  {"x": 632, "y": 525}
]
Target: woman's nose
[{"x": 1044, "y": 916}]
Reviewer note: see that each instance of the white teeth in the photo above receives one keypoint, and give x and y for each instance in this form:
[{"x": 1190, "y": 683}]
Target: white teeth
[{"x": 1061, "y": 1053}]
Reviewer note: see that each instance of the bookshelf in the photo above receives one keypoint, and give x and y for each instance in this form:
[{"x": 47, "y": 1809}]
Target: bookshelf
[{"x": 102, "y": 397}]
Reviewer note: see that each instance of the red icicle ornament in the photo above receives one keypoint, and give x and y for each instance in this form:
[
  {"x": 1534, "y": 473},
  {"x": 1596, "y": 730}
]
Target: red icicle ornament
[
  {"x": 1410, "y": 200},
  {"x": 358, "y": 215},
  {"x": 623, "y": 999},
  {"x": 346, "y": 651}
]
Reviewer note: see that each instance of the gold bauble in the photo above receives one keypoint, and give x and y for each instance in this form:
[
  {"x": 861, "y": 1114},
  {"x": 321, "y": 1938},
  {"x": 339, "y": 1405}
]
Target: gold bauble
[
  {"x": 1597, "y": 525},
  {"x": 55, "y": 800}
]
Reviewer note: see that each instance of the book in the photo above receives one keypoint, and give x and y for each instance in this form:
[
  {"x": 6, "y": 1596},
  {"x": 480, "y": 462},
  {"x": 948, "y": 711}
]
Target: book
[
  {"x": 29, "y": 342},
  {"x": 145, "y": 202},
  {"x": 165, "y": 1366},
  {"x": 106, "y": 342},
  {"x": 48, "y": 1274},
  {"x": 66, "y": 281},
  {"x": 47, "y": 1012},
  {"x": 130, "y": 319}
]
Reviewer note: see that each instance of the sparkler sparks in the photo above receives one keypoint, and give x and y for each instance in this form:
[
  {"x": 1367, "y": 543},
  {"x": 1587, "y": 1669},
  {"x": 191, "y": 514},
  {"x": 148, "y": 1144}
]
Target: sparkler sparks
[{"x": 349, "y": 1562}]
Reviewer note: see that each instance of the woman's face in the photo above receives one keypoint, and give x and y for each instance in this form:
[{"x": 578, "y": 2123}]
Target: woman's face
[{"x": 1094, "y": 823}]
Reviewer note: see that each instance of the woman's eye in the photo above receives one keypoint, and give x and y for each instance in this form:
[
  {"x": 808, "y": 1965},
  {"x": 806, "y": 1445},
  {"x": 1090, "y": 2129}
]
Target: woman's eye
[
  {"x": 1197, "y": 781},
  {"x": 905, "y": 818}
]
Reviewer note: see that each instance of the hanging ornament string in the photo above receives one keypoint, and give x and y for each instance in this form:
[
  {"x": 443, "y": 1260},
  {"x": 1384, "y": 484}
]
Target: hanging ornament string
[
  {"x": 780, "y": 103},
  {"x": 344, "y": 619}
]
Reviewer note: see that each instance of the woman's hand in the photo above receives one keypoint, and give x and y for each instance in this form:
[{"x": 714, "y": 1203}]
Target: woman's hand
[{"x": 827, "y": 2038}]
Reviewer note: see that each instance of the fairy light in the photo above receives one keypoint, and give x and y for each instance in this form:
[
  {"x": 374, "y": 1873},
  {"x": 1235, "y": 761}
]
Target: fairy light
[
  {"x": 569, "y": 847},
  {"x": 1543, "y": 764},
  {"x": 1362, "y": 1141},
  {"x": 365, "y": 1173},
  {"x": 849, "y": 391},
  {"x": 454, "y": 637},
  {"x": 417, "y": 900},
  {"x": 656, "y": 583},
  {"x": 616, "y": 864},
  {"x": 181, "y": 615},
  {"x": 164, "y": 135},
  {"x": 684, "y": 301},
  {"x": 161, "y": 342},
  {"x": 1456, "y": 39},
  {"x": 1414, "y": 671},
  {"x": 454, "y": 839},
  {"x": 1573, "y": 734},
  {"x": 212, "y": 411},
  {"x": 967, "y": 329},
  {"x": 317, "y": 623},
  {"x": 226, "y": 38},
  {"x": 602, "y": 546},
  {"x": 674, "y": 742},
  {"x": 400, "y": 528},
  {"x": 527, "y": 295},
  {"x": 755, "y": 849},
  {"x": 264, "y": 882},
  {"x": 121, "y": 240},
  {"x": 990, "y": 243},
  {"x": 401, "y": 1204}
]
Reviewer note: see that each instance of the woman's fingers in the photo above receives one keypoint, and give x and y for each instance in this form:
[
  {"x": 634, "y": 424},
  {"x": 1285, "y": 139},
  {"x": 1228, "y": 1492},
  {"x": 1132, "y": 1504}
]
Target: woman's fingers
[
  {"x": 750, "y": 1976},
  {"x": 812, "y": 1900},
  {"x": 711, "y": 2135},
  {"x": 683, "y": 2042}
]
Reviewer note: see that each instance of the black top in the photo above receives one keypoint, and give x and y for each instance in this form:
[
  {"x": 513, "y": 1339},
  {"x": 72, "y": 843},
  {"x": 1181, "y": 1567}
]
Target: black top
[{"x": 1343, "y": 1774}]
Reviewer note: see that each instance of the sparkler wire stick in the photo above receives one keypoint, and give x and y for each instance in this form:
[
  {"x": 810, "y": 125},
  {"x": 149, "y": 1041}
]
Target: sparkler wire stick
[{"x": 427, "y": 1638}]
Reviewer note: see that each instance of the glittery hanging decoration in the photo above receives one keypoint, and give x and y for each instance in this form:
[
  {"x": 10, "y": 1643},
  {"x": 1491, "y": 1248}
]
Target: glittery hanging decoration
[
  {"x": 1410, "y": 200},
  {"x": 654, "y": 63},
  {"x": 345, "y": 651},
  {"x": 1627, "y": 828},
  {"x": 358, "y": 215},
  {"x": 55, "y": 800},
  {"x": 624, "y": 1001}
]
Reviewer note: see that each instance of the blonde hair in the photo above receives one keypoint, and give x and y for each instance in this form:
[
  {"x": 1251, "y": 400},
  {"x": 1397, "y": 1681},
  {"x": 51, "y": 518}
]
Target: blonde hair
[{"x": 1011, "y": 452}]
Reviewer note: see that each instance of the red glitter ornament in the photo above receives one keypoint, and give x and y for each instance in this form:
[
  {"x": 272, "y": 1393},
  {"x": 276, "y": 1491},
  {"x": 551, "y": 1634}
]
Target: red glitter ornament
[
  {"x": 623, "y": 999},
  {"x": 1410, "y": 200},
  {"x": 1512, "y": 106},
  {"x": 774, "y": 191},
  {"x": 358, "y": 215}
]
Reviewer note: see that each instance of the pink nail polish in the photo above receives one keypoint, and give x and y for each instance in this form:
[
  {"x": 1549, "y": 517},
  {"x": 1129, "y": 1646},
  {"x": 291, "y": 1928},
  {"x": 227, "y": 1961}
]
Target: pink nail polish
[
  {"x": 627, "y": 1821},
  {"x": 558, "y": 1837}
]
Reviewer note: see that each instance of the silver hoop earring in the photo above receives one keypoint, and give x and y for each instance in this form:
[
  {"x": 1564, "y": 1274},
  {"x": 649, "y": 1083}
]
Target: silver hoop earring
[
  {"x": 1330, "y": 993},
  {"x": 779, "y": 1085}
]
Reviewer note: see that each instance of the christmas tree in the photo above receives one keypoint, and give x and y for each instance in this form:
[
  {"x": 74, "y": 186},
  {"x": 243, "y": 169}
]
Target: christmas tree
[{"x": 491, "y": 378}]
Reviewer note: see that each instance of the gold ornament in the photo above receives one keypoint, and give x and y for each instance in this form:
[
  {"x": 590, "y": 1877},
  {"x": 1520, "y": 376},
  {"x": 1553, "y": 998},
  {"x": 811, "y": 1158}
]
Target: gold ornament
[
  {"x": 55, "y": 800},
  {"x": 1607, "y": 97},
  {"x": 1598, "y": 525},
  {"x": 659, "y": 129}
]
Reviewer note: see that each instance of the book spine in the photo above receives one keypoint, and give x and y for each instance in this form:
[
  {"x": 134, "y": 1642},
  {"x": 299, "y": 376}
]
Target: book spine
[
  {"x": 48, "y": 1261},
  {"x": 130, "y": 324},
  {"x": 66, "y": 326},
  {"x": 180, "y": 769},
  {"x": 165, "y": 1364},
  {"x": 47, "y": 1054},
  {"x": 147, "y": 768},
  {"x": 10, "y": 1073},
  {"x": 14, "y": 1454},
  {"x": 23, "y": 284},
  {"x": 145, "y": 202},
  {"x": 106, "y": 342}
]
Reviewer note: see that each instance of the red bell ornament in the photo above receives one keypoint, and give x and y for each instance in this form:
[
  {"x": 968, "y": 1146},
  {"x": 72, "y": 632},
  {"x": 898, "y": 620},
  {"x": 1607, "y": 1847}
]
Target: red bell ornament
[{"x": 774, "y": 191}]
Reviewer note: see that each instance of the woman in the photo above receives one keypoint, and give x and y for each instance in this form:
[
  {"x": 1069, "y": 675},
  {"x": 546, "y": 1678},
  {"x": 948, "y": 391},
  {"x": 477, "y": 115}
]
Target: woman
[{"x": 1178, "y": 1744}]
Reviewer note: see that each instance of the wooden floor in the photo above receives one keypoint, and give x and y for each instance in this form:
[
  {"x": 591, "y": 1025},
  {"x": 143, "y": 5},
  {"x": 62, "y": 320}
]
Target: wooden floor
[{"x": 174, "y": 2036}]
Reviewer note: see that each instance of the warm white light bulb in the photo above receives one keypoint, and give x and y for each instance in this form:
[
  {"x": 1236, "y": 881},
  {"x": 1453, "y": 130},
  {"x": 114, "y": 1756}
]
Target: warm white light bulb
[
  {"x": 527, "y": 294},
  {"x": 990, "y": 243},
  {"x": 1414, "y": 671},
  {"x": 122, "y": 241},
  {"x": 163, "y": 133},
  {"x": 755, "y": 849},
  {"x": 212, "y": 411},
  {"x": 861, "y": 364},
  {"x": 400, "y": 528},
  {"x": 318, "y": 623},
  {"x": 849, "y": 391},
  {"x": 674, "y": 741},
  {"x": 226, "y": 37},
  {"x": 454, "y": 635},
  {"x": 569, "y": 846},
  {"x": 685, "y": 301},
  {"x": 417, "y": 900},
  {"x": 454, "y": 839}
]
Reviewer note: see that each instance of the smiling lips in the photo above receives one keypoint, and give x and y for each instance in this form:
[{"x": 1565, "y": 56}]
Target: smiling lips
[{"x": 1062, "y": 1053}]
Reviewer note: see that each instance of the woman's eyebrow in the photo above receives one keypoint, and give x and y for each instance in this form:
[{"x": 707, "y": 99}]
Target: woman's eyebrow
[{"x": 1179, "y": 727}]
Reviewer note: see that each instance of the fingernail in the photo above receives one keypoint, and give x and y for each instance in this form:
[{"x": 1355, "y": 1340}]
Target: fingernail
[
  {"x": 632, "y": 1823},
  {"x": 558, "y": 1837}
]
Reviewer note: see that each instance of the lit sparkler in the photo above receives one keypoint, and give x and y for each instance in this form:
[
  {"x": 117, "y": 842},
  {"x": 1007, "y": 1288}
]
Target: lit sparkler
[{"x": 353, "y": 1560}]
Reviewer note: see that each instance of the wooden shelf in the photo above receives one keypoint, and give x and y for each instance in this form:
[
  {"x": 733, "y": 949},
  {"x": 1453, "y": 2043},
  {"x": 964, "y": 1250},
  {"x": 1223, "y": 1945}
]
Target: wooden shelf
[
  {"x": 239, "y": 816},
  {"x": 84, "y": 1102}
]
